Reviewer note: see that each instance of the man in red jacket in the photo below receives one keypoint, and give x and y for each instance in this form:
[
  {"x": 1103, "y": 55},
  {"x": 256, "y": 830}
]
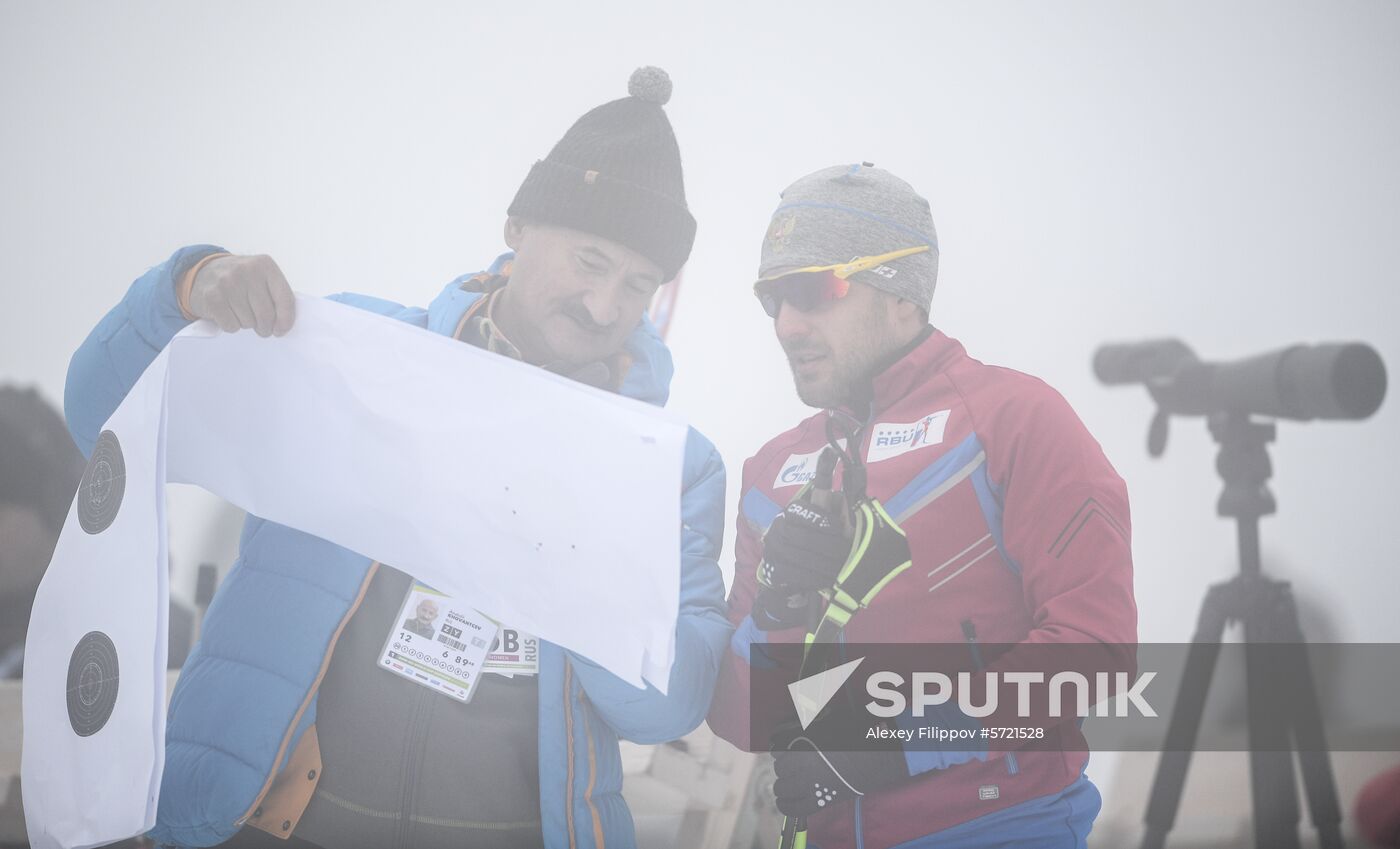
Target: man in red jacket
[{"x": 1017, "y": 525}]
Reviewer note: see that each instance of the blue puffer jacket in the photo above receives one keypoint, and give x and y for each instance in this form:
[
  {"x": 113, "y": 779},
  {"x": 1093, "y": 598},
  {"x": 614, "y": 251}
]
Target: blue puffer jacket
[{"x": 247, "y": 693}]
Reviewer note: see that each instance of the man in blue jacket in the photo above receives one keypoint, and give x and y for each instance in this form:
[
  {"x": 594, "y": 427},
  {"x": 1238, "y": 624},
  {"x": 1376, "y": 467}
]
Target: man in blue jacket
[{"x": 282, "y": 720}]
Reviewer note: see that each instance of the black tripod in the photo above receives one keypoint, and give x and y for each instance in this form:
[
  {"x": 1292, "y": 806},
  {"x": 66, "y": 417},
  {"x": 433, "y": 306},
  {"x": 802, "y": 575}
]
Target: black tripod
[{"x": 1281, "y": 695}]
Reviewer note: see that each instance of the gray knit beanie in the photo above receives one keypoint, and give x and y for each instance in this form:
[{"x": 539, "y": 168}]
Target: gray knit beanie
[{"x": 846, "y": 211}]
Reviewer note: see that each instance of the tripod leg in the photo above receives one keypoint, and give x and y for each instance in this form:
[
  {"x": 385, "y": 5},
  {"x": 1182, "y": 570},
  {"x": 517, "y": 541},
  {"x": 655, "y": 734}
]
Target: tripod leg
[
  {"x": 1271, "y": 774},
  {"x": 1167, "y": 784},
  {"x": 1313, "y": 759}
]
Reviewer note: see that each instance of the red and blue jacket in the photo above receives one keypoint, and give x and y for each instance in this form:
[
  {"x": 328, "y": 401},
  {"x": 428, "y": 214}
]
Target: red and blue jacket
[{"x": 1019, "y": 531}]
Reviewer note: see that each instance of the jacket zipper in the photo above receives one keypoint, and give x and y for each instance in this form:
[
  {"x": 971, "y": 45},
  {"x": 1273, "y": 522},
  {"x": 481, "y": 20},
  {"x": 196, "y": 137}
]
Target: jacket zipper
[
  {"x": 973, "y": 648},
  {"x": 413, "y": 744}
]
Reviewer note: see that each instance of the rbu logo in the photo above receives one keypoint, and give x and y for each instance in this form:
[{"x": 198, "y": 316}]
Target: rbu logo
[{"x": 891, "y": 439}]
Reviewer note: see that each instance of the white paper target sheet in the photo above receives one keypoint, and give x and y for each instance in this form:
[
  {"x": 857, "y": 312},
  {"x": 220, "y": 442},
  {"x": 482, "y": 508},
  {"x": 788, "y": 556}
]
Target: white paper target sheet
[{"x": 551, "y": 505}]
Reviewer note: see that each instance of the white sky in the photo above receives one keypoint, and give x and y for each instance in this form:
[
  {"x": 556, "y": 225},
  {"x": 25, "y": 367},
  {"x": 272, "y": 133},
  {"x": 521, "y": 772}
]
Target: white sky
[{"x": 1225, "y": 173}]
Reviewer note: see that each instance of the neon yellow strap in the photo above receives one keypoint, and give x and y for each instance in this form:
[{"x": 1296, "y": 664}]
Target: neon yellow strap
[
  {"x": 885, "y": 580},
  {"x": 841, "y": 605},
  {"x": 879, "y": 508},
  {"x": 840, "y": 597},
  {"x": 864, "y": 530},
  {"x": 840, "y": 615}
]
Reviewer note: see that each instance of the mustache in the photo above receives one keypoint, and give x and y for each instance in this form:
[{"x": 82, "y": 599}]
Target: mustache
[{"x": 579, "y": 313}]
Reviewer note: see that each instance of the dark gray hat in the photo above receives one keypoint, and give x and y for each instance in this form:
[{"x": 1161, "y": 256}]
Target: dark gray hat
[
  {"x": 836, "y": 214},
  {"x": 617, "y": 174}
]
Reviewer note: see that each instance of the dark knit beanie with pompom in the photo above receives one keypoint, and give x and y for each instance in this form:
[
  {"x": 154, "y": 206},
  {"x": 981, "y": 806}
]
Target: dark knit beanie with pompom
[{"x": 617, "y": 174}]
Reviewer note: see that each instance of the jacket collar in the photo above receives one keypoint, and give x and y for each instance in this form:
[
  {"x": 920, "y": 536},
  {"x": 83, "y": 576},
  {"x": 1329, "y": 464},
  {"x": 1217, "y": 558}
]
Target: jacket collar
[{"x": 929, "y": 354}]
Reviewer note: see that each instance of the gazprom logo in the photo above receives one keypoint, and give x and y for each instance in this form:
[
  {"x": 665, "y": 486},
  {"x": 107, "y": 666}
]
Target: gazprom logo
[{"x": 799, "y": 469}]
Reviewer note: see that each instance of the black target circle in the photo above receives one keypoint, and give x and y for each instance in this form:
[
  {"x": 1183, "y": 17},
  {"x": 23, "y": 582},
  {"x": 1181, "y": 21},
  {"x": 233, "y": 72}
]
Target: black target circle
[
  {"x": 104, "y": 483},
  {"x": 92, "y": 683}
]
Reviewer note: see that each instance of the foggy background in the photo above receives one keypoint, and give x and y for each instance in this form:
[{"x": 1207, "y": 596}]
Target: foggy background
[{"x": 1225, "y": 173}]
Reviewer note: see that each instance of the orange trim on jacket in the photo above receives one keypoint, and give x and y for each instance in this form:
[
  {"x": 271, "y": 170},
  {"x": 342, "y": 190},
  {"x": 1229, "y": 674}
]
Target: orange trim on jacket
[
  {"x": 311, "y": 694},
  {"x": 182, "y": 292},
  {"x": 292, "y": 790},
  {"x": 569, "y": 753},
  {"x": 598, "y": 839}
]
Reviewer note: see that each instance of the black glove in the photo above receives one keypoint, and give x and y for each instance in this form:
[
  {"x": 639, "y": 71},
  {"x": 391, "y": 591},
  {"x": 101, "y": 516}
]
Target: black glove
[
  {"x": 809, "y": 780},
  {"x": 804, "y": 549},
  {"x": 779, "y": 608}
]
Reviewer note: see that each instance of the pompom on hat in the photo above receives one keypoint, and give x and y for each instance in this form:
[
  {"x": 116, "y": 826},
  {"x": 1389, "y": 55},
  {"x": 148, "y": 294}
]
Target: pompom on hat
[{"x": 651, "y": 84}]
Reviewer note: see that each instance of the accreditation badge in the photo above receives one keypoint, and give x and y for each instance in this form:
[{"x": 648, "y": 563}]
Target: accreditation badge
[
  {"x": 514, "y": 652},
  {"x": 438, "y": 643}
]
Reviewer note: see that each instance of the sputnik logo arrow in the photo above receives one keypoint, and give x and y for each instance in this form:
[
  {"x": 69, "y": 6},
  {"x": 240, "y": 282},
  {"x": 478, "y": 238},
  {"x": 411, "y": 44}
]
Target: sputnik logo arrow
[{"x": 811, "y": 694}]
